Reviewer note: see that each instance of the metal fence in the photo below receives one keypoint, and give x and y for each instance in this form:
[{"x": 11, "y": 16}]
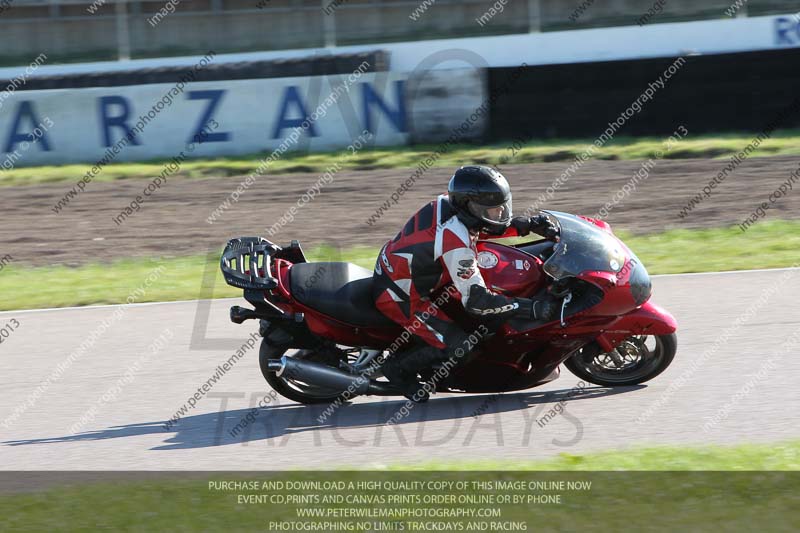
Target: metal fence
[{"x": 71, "y": 30}]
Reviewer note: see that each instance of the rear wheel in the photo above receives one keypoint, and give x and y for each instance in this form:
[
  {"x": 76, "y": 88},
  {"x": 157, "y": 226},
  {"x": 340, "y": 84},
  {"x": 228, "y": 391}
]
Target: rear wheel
[
  {"x": 637, "y": 359},
  {"x": 293, "y": 389}
]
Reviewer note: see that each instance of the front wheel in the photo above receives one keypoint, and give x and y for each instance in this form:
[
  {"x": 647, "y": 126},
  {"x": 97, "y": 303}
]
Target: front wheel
[{"x": 637, "y": 359}]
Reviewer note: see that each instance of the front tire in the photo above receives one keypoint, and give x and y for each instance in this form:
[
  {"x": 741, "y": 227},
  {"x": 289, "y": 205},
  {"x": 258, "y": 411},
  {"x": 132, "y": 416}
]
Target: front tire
[{"x": 631, "y": 363}]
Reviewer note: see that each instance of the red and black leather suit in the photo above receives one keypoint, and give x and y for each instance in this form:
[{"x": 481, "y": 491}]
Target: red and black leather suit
[{"x": 432, "y": 250}]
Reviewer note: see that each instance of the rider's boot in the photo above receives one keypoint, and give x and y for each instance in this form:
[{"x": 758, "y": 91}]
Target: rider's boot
[{"x": 401, "y": 370}]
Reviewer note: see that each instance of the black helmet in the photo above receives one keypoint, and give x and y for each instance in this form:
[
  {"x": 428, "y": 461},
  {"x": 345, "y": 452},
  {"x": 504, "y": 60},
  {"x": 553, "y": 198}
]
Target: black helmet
[{"x": 481, "y": 197}]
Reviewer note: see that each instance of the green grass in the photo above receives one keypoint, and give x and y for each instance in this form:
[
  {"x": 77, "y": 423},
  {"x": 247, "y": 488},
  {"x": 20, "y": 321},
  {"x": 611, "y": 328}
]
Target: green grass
[
  {"x": 172, "y": 279},
  {"x": 747, "y": 457},
  {"x": 615, "y": 501},
  {"x": 786, "y": 142},
  {"x": 768, "y": 244}
]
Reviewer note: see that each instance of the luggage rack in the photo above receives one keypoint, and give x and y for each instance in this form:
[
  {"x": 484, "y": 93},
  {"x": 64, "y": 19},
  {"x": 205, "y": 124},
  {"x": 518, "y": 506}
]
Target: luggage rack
[{"x": 246, "y": 263}]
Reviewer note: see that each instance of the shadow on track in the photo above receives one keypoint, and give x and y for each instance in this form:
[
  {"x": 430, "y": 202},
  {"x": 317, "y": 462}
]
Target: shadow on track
[{"x": 275, "y": 424}]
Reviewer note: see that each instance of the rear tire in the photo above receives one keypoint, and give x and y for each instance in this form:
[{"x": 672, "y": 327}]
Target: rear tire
[
  {"x": 296, "y": 392},
  {"x": 586, "y": 366}
]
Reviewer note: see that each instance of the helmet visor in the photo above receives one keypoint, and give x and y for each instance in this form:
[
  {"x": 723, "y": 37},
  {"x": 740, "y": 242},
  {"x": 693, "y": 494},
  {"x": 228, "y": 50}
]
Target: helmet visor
[{"x": 493, "y": 214}]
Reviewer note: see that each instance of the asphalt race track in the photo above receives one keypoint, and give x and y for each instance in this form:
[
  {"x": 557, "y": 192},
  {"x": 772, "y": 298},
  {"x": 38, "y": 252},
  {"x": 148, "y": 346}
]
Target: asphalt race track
[{"x": 734, "y": 380}]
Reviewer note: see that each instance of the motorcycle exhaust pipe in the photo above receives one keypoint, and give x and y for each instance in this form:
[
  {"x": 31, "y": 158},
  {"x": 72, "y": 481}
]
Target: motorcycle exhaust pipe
[{"x": 329, "y": 377}]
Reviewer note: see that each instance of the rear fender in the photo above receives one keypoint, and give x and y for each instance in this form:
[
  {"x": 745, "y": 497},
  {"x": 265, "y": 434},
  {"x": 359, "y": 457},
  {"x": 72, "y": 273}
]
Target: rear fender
[{"x": 649, "y": 319}]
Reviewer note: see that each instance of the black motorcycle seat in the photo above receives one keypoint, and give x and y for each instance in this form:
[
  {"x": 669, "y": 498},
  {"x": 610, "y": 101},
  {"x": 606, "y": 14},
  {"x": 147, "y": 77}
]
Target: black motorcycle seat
[{"x": 340, "y": 290}]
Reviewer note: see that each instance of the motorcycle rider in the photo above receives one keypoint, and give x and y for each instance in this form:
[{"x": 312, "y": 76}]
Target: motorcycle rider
[{"x": 437, "y": 248}]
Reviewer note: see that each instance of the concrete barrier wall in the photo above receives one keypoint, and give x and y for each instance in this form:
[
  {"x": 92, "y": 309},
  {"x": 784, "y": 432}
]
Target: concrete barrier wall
[
  {"x": 134, "y": 123},
  {"x": 432, "y": 89}
]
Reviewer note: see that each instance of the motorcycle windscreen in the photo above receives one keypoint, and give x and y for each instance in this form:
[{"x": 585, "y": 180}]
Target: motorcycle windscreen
[{"x": 582, "y": 247}]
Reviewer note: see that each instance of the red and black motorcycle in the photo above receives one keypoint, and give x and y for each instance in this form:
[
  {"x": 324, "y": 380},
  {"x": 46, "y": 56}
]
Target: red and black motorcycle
[{"x": 322, "y": 335}]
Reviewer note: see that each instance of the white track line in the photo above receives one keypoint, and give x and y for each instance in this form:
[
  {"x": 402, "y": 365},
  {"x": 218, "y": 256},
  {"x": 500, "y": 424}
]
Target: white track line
[
  {"x": 105, "y": 306},
  {"x": 725, "y": 272},
  {"x": 144, "y": 304}
]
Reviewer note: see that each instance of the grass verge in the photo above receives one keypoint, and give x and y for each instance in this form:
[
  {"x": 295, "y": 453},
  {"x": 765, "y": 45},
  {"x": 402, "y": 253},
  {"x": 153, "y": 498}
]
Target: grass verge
[
  {"x": 769, "y": 244},
  {"x": 785, "y": 142},
  {"x": 616, "y": 500},
  {"x": 746, "y": 457}
]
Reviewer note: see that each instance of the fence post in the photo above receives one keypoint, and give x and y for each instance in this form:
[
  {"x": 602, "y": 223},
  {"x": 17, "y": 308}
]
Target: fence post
[
  {"x": 328, "y": 25},
  {"x": 534, "y": 16},
  {"x": 123, "y": 32}
]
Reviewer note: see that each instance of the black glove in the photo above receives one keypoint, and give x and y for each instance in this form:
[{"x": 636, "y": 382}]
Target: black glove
[
  {"x": 546, "y": 310},
  {"x": 522, "y": 225},
  {"x": 542, "y": 225}
]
